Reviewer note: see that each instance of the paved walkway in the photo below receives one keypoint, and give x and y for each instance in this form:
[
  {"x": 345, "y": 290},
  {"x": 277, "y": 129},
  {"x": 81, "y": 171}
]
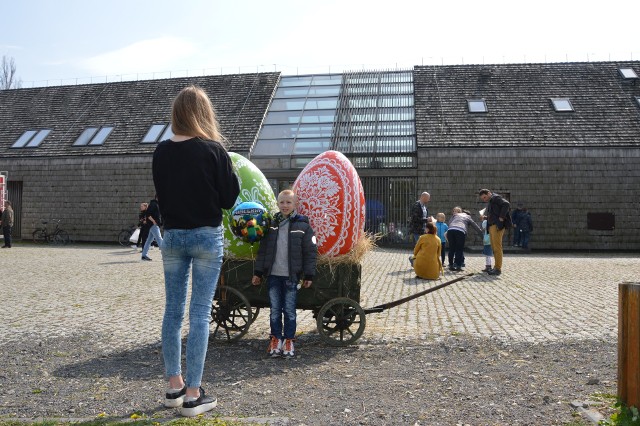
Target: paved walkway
[{"x": 56, "y": 291}]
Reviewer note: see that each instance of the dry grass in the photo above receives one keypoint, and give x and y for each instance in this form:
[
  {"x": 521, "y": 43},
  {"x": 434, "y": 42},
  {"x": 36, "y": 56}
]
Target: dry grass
[{"x": 366, "y": 243}]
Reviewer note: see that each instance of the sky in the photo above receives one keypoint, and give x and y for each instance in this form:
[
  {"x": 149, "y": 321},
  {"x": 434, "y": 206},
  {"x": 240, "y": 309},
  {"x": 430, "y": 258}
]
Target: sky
[{"x": 71, "y": 42}]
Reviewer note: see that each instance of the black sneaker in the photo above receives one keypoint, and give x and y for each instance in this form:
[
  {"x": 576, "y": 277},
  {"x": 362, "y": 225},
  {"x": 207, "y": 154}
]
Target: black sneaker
[
  {"x": 174, "y": 398},
  {"x": 192, "y": 407},
  {"x": 494, "y": 271},
  {"x": 146, "y": 258}
]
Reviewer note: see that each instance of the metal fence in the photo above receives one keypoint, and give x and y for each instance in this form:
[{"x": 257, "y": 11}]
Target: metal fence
[{"x": 388, "y": 203}]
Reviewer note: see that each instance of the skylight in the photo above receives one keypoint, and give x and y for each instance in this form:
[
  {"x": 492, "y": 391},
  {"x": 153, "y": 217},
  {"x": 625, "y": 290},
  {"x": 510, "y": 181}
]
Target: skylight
[
  {"x": 562, "y": 104},
  {"x": 93, "y": 136},
  {"x": 477, "y": 105},
  {"x": 31, "y": 138},
  {"x": 628, "y": 73},
  {"x": 158, "y": 132}
]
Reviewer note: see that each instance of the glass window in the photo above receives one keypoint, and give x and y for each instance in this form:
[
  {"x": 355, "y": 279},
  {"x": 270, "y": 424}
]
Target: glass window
[
  {"x": 311, "y": 146},
  {"x": 322, "y": 91},
  {"x": 287, "y": 104},
  {"x": 319, "y": 116},
  {"x": 271, "y": 162},
  {"x": 322, "y": 103},
  {"x": 326, "y": 80},
  {"x": 168, "y": 133},
  {"x": 477, "y": 105},
  {"x": 628, "y": 73},
  {"x": 86, "y": 136},
  {"x": 562, "y": 104},
  {"x": 101, "y": 136},
  {"x": 291, "y": 92},
  {"x": 278, "y": 147},
  {"x": 278, "y": 131},
  {"x": 154, "y": 133},
  {"x": 295, "y": 81},
  {"x": 395, "y": 145},
  {"x": 283, "y": 117},
  {"x": 300, "y": 163},
  {"x": 37, "y": 139},
  {"x": 315, "y": 131},
  {"x": 22, "y": 140}
]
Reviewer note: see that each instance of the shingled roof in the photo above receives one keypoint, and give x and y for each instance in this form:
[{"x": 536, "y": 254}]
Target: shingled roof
[
  {"x": 240, "y": 100},
  {"x": 520, "y": 112}
]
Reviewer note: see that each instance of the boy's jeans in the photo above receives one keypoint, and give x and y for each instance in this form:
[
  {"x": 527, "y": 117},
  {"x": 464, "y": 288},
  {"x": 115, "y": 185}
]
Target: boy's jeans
[
  {"x": 154, "y": 234},
  {"x": 201, "y": 250},
  {"x": 283, "y": 294}
]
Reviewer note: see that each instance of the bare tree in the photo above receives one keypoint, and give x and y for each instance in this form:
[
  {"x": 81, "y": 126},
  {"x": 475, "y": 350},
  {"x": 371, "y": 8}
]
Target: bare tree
[{"x": 8, "y": 78}]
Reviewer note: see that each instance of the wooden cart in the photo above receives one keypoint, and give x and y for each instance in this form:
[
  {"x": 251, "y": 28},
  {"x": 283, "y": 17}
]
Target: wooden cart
[{"x": 334, "y": 299}]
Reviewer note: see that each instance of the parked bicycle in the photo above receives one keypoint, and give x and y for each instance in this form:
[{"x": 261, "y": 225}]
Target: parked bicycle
[
  {"x": 125, "y": 235},
  {"x": 57, "y": 236}
]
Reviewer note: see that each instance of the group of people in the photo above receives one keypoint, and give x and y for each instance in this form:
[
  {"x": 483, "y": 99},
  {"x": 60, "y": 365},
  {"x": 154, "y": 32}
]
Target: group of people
[
  {"x": 522, "y": 226},
  {"x": 6, "y": 221},
  {"x": 194, "y": 182},
  {"x": 433, "y": 235}
]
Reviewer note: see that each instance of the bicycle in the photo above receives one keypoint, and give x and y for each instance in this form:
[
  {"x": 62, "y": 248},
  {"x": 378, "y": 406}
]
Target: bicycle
[
  {"x": 58, "y": 236},
  {"x": 125, "y": 234}
]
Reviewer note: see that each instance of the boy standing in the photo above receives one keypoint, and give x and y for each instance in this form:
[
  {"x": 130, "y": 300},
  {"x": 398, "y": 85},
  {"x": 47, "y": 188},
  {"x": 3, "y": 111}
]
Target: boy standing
[
  {"x": 287, "y": 254},
  {"x": 442, "y": 233}
]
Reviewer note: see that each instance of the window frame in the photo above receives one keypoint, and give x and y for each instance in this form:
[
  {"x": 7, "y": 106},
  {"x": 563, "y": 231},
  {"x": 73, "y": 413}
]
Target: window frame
[
  {"x": 95, "y": 138},
  {"x": 624, "y": 73},
  {"x": 28, "y": 142},
  {"x": 556, "y": 107},
  {"x": 477, "y": 101}
]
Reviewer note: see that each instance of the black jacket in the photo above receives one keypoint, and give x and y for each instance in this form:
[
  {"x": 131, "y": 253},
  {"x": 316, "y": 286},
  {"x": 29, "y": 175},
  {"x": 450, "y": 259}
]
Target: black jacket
[
  {"x": 498, "y": 208},
  {"x": 302, "y": 250},
  {"x": 153, "y": 211},
  {"x": 417, "y": 219}
]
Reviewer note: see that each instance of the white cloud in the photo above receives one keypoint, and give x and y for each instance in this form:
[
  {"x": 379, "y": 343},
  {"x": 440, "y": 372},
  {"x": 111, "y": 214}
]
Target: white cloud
[{"x": 154, "y": 55}]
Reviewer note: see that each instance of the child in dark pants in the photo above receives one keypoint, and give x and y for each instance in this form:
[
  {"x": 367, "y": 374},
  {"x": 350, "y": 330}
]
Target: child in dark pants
[{"x": 287, "y": 254}]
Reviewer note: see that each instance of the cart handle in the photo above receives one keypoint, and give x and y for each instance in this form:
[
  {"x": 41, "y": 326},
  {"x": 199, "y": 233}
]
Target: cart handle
[{"x": 395, "y": 303}]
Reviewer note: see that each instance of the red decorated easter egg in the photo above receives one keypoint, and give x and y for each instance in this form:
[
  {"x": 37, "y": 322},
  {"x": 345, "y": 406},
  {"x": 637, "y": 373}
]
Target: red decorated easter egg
[{"x": 330, "y": 194}]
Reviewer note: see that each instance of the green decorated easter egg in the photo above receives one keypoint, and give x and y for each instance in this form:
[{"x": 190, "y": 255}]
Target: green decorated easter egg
[{"x": 253, "y": 187}]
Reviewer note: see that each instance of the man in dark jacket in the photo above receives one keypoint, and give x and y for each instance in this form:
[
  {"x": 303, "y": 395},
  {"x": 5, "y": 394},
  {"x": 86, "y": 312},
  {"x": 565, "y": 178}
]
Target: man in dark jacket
[
  {"x": 498, "y": 218},
  {"x": 287, "y": 255},
  {"x": 420, "y": 215}
]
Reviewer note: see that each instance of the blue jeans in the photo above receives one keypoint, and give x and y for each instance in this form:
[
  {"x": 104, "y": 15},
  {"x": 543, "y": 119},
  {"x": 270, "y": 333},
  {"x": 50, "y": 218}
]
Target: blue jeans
[
  {"x": 199, "y": 249},
  {"x": 524, "y": 235},
  {"x": 283, "y": 294},
  {"x": 154, "y": 234}
]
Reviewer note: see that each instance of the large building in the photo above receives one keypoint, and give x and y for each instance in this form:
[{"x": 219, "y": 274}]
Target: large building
[{"x": 563, "y": 139}]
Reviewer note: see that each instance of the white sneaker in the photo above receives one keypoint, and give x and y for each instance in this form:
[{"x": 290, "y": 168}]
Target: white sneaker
[{"x": 287, "y": 348}]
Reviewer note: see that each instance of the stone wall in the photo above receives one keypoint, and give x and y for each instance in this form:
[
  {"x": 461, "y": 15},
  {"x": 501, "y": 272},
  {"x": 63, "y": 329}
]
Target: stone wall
[
  {"x": 95, "y": 197},
  {"x": 558, "y": 186}
]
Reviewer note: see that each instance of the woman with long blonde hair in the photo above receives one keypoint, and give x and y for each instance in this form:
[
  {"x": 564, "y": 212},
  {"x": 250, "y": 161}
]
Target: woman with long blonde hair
[{"x": 194, "y": 181}]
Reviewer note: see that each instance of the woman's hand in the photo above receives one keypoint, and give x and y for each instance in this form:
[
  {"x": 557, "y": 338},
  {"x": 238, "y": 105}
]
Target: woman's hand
[
  {"x": 255, "y": 280},
  {"x": 306, "y": 283}
]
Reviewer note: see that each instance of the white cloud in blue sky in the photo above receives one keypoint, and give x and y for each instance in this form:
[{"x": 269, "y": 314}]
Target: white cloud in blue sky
[{"x": 69, "y": 39}]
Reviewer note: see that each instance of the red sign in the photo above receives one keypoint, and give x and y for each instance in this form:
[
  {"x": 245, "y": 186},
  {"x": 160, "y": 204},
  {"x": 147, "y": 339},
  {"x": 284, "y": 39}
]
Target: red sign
[{"x": 3, "y": 188}]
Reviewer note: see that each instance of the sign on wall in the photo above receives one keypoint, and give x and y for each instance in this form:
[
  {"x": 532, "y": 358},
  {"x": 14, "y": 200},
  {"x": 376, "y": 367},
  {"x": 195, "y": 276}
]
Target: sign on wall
[{"x": 3, "y": 188}]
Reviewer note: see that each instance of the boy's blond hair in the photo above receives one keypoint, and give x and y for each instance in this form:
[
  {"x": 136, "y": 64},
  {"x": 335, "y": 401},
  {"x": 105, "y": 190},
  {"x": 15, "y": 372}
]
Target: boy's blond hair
[
  {"x": 288, "y": 193},
  {"x": 441, "y": 215}
]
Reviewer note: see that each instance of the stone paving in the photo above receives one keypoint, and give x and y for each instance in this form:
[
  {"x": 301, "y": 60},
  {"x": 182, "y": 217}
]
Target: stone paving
[{"x": 50, "y": 291}]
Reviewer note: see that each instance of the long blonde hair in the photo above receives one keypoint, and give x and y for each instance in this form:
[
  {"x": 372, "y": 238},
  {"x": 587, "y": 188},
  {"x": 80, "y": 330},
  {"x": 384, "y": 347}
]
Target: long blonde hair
[{"x": 193, "y": 114}]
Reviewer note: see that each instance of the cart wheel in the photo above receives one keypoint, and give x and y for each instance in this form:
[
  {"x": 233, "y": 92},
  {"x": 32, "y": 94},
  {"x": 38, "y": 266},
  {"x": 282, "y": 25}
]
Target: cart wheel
[
  {"x": 39, "y": 236},
  {"x": 341, "y": 321},
  {"x": 254, "y": 313},
  {"x": 231, "y": 313}
]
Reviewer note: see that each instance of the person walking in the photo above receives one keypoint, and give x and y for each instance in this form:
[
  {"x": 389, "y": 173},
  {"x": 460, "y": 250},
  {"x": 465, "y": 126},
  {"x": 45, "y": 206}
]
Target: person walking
[
  {"x": 7, "y": 223},
  {"x": 152, "y": 216},
  {"x": 419, "y": 216},
  {"x": 194, "y": 182},
  {"x": 498, "y": 218}
]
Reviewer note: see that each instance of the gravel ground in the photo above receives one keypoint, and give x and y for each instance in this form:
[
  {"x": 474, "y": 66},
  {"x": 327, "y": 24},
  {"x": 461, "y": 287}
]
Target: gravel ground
[{"x": 443, "y": 381}]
